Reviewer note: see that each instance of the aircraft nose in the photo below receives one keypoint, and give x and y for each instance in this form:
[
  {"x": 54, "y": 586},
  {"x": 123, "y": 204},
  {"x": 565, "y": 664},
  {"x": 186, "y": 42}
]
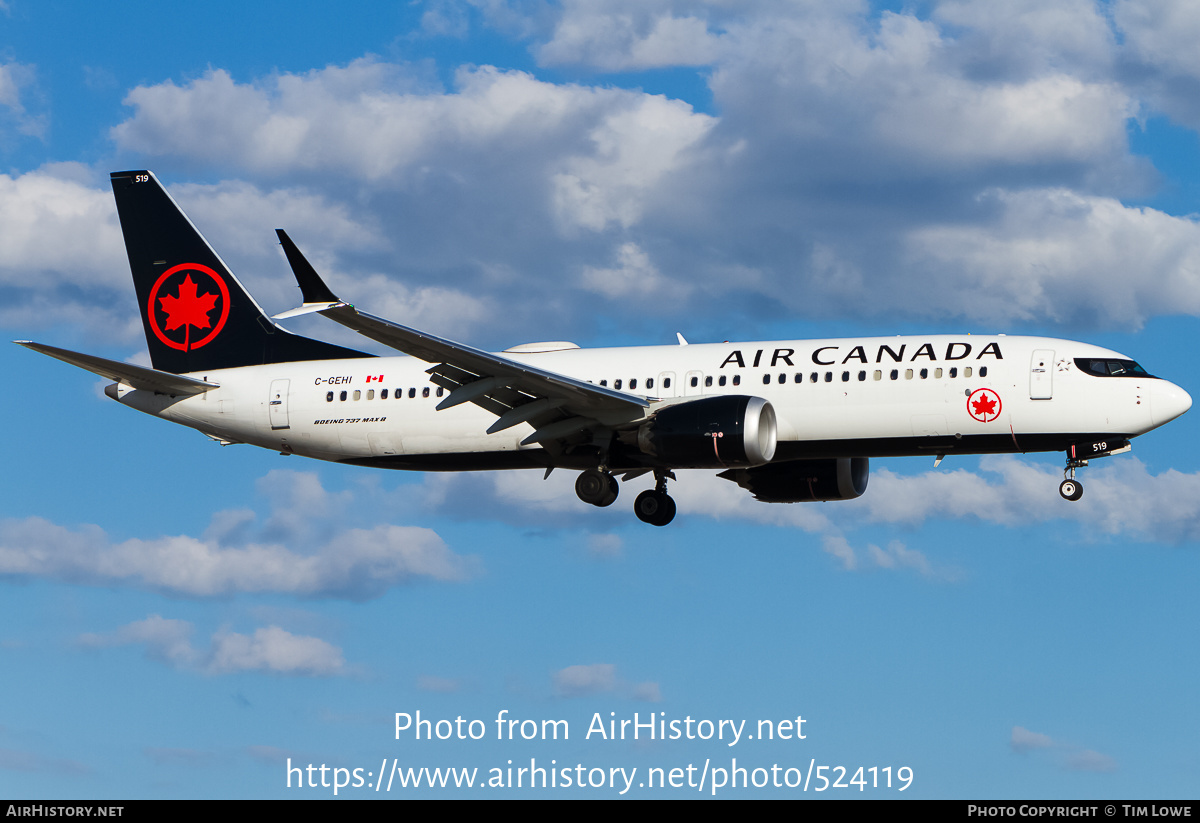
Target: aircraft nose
[{"x": 1168, "y": 401}]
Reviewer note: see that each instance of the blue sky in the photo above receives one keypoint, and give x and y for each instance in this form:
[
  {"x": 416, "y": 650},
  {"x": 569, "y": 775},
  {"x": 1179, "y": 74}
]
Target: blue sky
[{"x": 180, "y": 619}]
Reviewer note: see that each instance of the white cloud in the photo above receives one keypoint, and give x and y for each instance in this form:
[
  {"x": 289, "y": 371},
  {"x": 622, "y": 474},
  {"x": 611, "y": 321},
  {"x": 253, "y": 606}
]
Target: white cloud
[
  {"x": 1122, "y": 498},
  {"x": 233, "y": 556},
  {"x": 603, "y": 146},
  {"x": 1163, "y": 33},
  {"x": 1024, "y": 740},
  {"x": 605, "y": 545},
  {"x": 357, "y": 564},
  {"x": 16, "y": 82},
  {"x": 634, "y": 278},
  {"x": 1057, "y": 254},
  {"x": 601, "y": 678},
  {"x": 1030, "y": 37},
  {"x": 627, "y": 35},
  {"x": 1159, "y": 55},
  {"x": 274, "y": 650},
  {"x": 270, "y": 649},
  {"x": 1067, "y": 755},
  {"x": 59, "y": 239},
  {"x": 583, "y": 681},
  {"x": 648, "y": 692},
  {"x": 1087, "y": 760}
]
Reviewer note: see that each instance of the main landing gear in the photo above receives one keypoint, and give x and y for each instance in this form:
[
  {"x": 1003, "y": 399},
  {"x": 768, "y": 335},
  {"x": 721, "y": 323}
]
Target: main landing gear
[
  {"x": 653, "y": 506},
  {"x": 597, "y": 487},
  {"x": 1070, "y": 488}
]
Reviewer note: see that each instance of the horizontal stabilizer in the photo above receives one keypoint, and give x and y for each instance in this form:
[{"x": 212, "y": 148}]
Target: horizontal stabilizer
[{"x": 139, "y": 377}]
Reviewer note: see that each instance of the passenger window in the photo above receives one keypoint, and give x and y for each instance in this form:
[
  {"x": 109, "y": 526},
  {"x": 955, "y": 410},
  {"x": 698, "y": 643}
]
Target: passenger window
[
  {"x": 425, "y": 392},
  {"x": 828, "y": 377},
  {"x": 895, "y": 375},
  {"x": 666, "y": 382},
  {"x": 604, "y": 383},
  {"x": 737, "y": 380},
  {"x": 633, "y": 384},
  {"x": 649, "y": 382},
  {"x": 799, "y": 378},
  {"x": 878, "y": 375},
  {"x": 440, "y": 391},
  {"x": 343, "y": 397},
  {"x": 383, "y": 395},
  {"x": 908, "y": 374},
  {"x": 983, "y": 371},
  {"x": 617, "y": 383},
  {"x": 695, "y": 382},
  {"x": 937, "y": 373},
  {"x": 954, "y": 371},
  {"x": 721, "y": 380},
  {"x": 782, "y": 379},
  {"x": 329, "y": 397},
  {"x": 708, "y": 380},
  {"x": 845, "y": 377},
  {"x": 813, "y": 378},
  {"x": 358, "y": 394},
  {"x": 370, "y": 394},
  {"x": 862, "y": 375},
  {"x": 766, "y": 379},
  {"x": 967, "y": 371},
  {"x": 924, "y": 373}
]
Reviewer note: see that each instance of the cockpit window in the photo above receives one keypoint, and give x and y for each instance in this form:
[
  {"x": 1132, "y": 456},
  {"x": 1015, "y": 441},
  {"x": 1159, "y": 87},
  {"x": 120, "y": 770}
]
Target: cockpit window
[{"x": 1110, "y": 368}]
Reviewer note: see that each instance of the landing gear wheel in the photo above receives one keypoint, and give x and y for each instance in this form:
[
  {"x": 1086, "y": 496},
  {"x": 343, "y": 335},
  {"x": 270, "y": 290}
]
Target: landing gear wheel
[
  {"x": 597, "y": 487},
  {"x": 654, "y": 507},
  {"x": 1071, "y": 489}
]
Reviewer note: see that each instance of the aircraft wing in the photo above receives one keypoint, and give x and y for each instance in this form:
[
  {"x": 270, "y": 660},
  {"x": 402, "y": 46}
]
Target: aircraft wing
[
  {"x": 139, "y": 377},
  {"x": 556, "y": 405}
]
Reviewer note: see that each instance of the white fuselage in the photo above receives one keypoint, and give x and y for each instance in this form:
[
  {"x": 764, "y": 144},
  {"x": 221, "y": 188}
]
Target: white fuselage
[{"x": 856, "y": 396}]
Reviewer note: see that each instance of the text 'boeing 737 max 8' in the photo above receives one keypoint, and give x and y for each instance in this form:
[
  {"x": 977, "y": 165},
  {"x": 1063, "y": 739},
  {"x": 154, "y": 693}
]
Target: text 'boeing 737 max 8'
[{"x": 789, "y": 421}]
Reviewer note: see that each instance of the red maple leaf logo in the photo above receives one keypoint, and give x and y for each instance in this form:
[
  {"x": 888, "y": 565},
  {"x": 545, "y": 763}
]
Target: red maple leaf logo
[
  {"x": 187, "y": 307},
  {"x": 984, "y": 406}
]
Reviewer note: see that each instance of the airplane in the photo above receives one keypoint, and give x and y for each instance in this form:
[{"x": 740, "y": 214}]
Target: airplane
[{"x": 788, "y": 421}]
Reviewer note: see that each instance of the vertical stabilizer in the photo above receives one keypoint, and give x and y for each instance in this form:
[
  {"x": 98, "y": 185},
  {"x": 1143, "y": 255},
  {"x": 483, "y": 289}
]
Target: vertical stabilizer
[{"x": 196, "y": 314}]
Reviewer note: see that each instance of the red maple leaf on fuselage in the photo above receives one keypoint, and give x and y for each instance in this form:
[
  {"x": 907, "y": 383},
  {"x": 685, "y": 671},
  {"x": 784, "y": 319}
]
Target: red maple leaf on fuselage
[
  {"x": 984, "y": 406},
  {"x": 188, "y": 307}
]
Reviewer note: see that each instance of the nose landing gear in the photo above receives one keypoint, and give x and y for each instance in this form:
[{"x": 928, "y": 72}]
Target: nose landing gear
[{"x": 1070, "y": 488}]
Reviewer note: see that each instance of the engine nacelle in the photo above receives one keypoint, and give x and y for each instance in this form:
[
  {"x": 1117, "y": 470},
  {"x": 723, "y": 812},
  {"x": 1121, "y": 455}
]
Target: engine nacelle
[
  {"x": 801, "y": 481},
  {"x": 712, "y": 432}
]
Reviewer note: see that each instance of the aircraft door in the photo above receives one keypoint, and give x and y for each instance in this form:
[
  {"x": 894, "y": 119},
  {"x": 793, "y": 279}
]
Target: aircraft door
[
  {"x": 1041, "y": 375},
  {"x": 279, "y": 404}
]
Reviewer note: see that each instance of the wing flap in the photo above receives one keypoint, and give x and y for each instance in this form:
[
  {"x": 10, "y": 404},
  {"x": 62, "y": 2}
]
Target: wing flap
[
  {"x": 574, "y": 405},
  {"x": 580, "y": 394}
]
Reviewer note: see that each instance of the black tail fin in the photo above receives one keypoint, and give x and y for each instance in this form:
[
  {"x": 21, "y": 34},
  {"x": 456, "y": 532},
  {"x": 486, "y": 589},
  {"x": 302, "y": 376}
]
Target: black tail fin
[{"x": 197, "y": 316}]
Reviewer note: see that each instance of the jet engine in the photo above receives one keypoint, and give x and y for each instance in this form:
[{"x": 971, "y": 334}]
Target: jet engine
[
  {"x": 800, "y": 481},
  {"x": 712, "y": 432}
]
